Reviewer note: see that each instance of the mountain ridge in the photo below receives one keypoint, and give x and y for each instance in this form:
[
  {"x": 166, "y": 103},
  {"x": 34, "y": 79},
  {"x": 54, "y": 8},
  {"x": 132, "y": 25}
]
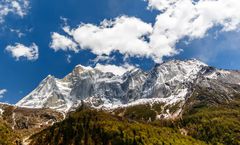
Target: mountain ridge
[{"x": 170, "y": 83}]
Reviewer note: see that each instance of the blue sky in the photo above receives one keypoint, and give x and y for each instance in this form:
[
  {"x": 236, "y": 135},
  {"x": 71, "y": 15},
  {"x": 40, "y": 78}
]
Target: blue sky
[{"x": 43, "y": 17}]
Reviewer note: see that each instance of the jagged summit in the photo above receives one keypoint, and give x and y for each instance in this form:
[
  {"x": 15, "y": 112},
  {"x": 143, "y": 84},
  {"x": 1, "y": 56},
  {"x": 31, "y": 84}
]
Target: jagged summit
[
  {"x": 170, "y": 83},
  {"x": 185, "y": 61},
  {"x": 82, "y": 68}
]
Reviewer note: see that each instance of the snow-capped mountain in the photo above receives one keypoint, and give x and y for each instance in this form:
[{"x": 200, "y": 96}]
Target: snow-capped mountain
[{"x": 169, "y": 83}]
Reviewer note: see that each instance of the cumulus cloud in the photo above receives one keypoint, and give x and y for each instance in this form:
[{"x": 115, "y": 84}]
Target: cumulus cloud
[
  {"x": 60, "y": 42},
  {"x": 123, "y": 34},
  {"x": 177, "y": 19},
  {"x": 17, "y": 7},
  {"x": 117, "y": 70},
  {"x": 21, "y": 51},
  {"x": 2, "y": 92},
  {"x": 186, "y": 18}
]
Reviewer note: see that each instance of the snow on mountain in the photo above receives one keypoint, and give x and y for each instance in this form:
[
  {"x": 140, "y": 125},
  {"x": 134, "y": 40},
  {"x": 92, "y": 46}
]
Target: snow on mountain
[
  {"x": 51, "y": 93},
  {"x": 170, "y": 82}
]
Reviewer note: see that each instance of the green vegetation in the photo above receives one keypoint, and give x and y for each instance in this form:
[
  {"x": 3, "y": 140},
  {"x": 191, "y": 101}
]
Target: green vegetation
[
  {"x": 90, "y": 127},
  {"x": 140, "y": 113},
  {"x": 158, "y": 107},
  {"x": 216, "y": 124},
  {"x": 172, "y": 109}
]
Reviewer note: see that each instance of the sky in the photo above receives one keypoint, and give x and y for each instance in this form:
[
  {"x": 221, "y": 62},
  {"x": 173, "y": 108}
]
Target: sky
[{"x": 42, "y": 37}]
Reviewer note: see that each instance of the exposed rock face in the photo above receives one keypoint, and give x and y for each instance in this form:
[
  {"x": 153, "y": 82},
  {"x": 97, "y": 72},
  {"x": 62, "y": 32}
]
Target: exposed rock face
[{"x": 169, "y": 83}]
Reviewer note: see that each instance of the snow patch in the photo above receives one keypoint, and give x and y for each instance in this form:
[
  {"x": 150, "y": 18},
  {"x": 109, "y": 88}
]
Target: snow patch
[
  {"x": 108, "y": 105},
  {"x": 1, "y": 111}
]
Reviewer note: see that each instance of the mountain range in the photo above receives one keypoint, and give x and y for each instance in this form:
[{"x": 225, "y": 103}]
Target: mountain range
[
  {"x": 174, "y": 94},
  {"x": 169, "y": 83}
]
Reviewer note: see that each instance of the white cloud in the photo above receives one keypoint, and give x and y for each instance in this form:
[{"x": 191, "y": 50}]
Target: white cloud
[
  {"x": 21, "y": 51},
  {"x": 117, "y": 70},
  {"x": 160, "y": 4},
  {"x": 123, "y": 34},
  {"x": 2, "y": 92},
  {"x": 176, "y": 20},
  {"x": 18, "y": 7},
  {"x": 60, "y": 42},
  {"x": 185, "y": 18}
]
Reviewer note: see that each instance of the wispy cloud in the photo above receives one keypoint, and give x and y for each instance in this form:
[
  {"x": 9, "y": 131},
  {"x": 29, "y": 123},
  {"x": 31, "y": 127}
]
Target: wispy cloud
[
  {"x": 68, "y": 58},
  {"x": 212, "y": 47},
  {"x": 17, "y": 7},
  {"x": 18, "y": 32},
  {"x": 2, "y": 92}
]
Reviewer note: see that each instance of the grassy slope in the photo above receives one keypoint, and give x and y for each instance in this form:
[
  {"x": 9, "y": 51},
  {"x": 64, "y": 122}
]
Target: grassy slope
[{"x": 7, "y": 135}]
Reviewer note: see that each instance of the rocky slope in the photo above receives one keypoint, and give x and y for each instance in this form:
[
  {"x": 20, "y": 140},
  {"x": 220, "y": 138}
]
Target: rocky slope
[
  {"x": 169, "y": 84},
  {"x": 18, "y": 123}
]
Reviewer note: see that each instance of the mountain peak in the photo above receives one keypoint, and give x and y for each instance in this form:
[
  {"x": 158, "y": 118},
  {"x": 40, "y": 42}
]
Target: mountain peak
[
  {"x": 80, "y": 68},
  {"x": 196, "y": 61},
  {"x": 49, "y": 77},
  {"x": 186, "y": 61},
  {"x": 172, "y": 62}
]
